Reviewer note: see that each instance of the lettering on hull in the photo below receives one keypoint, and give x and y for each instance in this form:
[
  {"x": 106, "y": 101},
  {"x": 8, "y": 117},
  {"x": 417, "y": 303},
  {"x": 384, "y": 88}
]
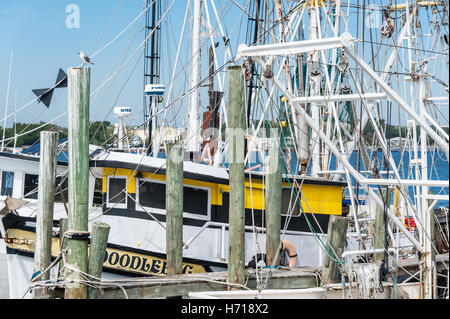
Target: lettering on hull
[
  {"x": 115, "y": 259},
  {"x": 143, "y": 264}
]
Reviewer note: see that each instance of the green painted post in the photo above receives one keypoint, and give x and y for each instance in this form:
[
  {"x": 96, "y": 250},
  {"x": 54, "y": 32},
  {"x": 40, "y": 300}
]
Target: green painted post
[
  {"x": 46, "y": 200},
  {"x": 273, "y": 207},
  {"x": 78, "y": 171},
  {"x": 97, "y": 251},
  {"x": 235, "y": 135},
  {"x": 174, "y": 210}
]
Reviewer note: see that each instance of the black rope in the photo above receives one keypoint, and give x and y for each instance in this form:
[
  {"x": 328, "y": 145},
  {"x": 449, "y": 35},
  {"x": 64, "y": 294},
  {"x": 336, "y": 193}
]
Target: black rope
[{"x": 77, "y": 235}]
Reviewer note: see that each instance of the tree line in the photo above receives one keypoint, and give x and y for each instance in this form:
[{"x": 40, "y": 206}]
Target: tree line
[
  {"x": 102, "y": 132},
  {"x": 99, "y": 133}
]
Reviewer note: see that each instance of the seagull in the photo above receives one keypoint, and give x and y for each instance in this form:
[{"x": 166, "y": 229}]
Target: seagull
[{"x": 84, "y": 58}]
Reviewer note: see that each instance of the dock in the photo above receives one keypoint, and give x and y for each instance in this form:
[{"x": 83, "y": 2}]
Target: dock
[
  {"x": 282, "y": 278},
  {"x": 182, "y": 285}
]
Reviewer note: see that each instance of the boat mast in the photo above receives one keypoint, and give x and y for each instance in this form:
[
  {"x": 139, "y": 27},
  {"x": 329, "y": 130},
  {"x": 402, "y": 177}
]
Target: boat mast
[
  {"x": 315, "y": 80},
  {"x": 428, "y": 267},
  {"x": 7, "y": 101},
  {"x": 151, "y": 68},
  {"x": 252, "y": 38},
  {"x": 301, "y": 128},
  {"x": 193, "y": 129}
]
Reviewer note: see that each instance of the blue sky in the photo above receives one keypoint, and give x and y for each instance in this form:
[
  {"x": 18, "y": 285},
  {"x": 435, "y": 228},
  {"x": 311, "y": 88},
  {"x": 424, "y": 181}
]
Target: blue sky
[{"x": 35, "y": 33}]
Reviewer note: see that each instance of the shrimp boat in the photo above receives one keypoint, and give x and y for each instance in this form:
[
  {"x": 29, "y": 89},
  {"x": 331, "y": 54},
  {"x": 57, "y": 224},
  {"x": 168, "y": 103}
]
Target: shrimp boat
[{"x": 315, "y": 93}]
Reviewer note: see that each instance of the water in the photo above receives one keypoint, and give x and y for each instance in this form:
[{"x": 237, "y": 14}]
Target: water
[{"x": 438, "y": 169}]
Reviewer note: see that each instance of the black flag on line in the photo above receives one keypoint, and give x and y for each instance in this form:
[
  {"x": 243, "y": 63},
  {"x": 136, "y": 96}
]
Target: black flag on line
[{"x": 45, "y": 95}]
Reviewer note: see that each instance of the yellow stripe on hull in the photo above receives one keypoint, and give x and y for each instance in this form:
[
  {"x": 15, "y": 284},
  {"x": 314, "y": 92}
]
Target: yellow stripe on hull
[{"x": 320, "y": 199}]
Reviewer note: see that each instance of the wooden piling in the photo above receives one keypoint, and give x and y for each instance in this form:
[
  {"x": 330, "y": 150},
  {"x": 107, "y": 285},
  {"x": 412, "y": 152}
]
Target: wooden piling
[
  {"x": 379, "y": 226},
  {"x": 63, "y": 227},
  {"x": 235, "y": 135},
  {"x": 174, "y": 210},
  {"x": 273, "y": 207},
  {"x": 337, "y": 231},
  {"x": 78, "y": 173},
  {"x": 46, "y": 200},
  {"x": 99, "y": 240}
]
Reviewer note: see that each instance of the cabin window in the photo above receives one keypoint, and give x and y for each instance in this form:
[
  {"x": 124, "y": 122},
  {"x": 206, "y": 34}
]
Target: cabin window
[
  {"x": 116, "y": 190},
  {"x": 289, "y": 201},
  {"x": 98, "y": 192},
  {"x": 30, "y": 186},
  {"x": 195, "y": 201},
  {"x": 152, "y": 194},
  {"x": 61, "y": 189},
  {"x": 7, "y": 183}
]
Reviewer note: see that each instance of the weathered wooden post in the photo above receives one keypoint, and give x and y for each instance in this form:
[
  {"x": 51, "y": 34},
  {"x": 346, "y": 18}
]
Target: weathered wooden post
[
  {"x": 235, "y": 135},
  {"x": 97, "y": 251},
  {"x": 273, "y": 207},
  {"x": 174, "y": 209},
  {"x": 380, "y": 225},
  {"x": 78, "y": 172},
  {"x": 63, "y": 227},
  {"x": 46, "y": 200},
  {"x": 337, "y": 231}
]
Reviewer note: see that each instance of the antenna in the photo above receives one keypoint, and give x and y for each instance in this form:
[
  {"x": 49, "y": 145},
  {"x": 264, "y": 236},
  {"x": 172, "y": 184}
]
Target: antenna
[{"x": 122, "y": 112}]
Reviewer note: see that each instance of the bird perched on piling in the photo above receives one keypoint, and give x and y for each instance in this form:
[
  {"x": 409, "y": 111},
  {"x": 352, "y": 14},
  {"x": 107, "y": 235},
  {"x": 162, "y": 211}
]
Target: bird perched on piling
[{"x": 84, "y": 58}]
